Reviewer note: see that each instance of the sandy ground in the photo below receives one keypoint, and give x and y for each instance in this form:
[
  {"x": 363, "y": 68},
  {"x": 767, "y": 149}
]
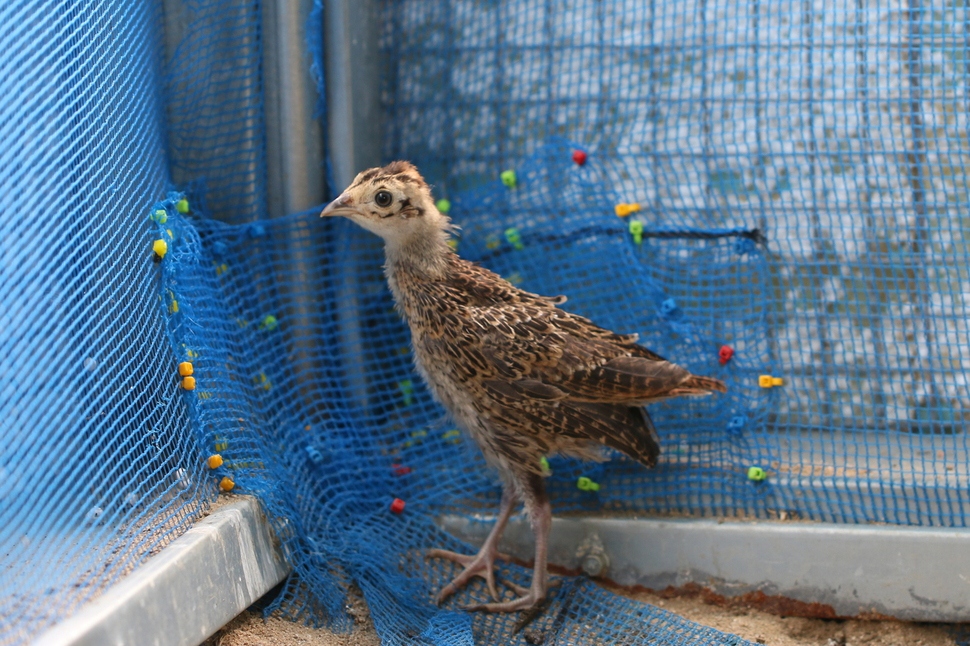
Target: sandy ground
[
  {"x": 249, "y": 629},
  {"x": 762, "y": 627}
]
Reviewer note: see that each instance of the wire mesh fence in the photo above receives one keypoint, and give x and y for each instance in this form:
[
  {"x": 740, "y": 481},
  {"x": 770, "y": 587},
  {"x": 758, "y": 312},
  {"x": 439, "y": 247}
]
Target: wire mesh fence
[{"x": 793, "y": 178}]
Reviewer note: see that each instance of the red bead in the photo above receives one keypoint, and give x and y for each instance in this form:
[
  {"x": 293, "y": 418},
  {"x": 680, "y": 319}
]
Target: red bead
[
  {"x": 400, "y": 469},
  {"x": 397, "y": 506},
  {"x": 579, "y": 156},
  {"x": 725, "y": 354}
]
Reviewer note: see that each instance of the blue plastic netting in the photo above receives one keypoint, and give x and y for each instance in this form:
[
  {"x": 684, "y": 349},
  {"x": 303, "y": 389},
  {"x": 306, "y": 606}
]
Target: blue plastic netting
[{"x": 800, "y": 175}]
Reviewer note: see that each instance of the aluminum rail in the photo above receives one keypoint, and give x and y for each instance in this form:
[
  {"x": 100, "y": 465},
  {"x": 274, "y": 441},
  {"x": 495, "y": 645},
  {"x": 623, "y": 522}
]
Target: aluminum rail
[
  {"x": 912, "y": 573},
  {"x": 189, "y": 590}
]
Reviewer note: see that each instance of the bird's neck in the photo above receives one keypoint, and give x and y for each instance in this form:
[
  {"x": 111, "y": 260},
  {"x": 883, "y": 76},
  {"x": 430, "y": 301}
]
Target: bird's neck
[{"x": 421, "y": 258}]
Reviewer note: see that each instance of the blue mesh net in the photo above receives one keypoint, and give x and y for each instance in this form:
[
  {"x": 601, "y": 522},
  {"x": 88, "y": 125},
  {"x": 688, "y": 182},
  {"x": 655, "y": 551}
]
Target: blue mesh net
[{"x": 796, "y": 185}]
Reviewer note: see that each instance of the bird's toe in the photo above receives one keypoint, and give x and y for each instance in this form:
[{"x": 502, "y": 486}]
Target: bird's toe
[
  {"x": 481, "y": 564},
  {"x": 448, "y": 555},
  {"x": 524, "y": 602}
]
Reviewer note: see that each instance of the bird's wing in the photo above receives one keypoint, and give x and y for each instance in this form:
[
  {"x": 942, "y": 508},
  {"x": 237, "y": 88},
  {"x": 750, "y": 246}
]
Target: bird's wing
[
  {"x": 625, "y": 428},
  {"x": 493, "y": 330},
  {"x": 550, "y": 354}
]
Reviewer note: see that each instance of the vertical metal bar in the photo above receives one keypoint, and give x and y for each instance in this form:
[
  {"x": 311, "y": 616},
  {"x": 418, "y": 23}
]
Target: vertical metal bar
[
  {"x": 450, "y": 157},
  {"x": 231, "y": 144},
  {"x": 875, "y": 320},
  {"x": 654, "y": 62},
  {"x": 353, "y": 67},
  {"x": 294, "y": 138},
  {"x": 498, "y": 89},
  {"x": 295, "y": 179},
  {"x": 773, "y": 272},
  {"x": 820, "y": 246},
  {"x": 707, "y": 141},
  {"x": 916, "y": 158},
  {"x": 549, "y": 53},
  {"x": 966, "y": 55},
  {"x": 760, "y": 171}
]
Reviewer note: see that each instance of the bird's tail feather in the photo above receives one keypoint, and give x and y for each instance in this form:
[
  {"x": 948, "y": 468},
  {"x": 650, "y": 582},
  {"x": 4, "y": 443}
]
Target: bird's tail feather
[
  {"x": 652, "y": 440},
  {"x": 696, "y": 385}
]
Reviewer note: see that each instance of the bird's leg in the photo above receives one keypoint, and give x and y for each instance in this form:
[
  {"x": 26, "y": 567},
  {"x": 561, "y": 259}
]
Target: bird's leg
[
  {"x": 481, "y": 564},
  {"x": 540, "y": 515}
]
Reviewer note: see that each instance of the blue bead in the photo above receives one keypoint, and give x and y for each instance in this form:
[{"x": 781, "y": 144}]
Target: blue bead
[
  {"x": 256, "y": 230},
  {"x": 744, "y": 245},
  {"x": 737, "y": 423},
  {"x": 220, "y": 249},
  {"x": 314, "y": 454},
  {"x": 668, "y": 307}
]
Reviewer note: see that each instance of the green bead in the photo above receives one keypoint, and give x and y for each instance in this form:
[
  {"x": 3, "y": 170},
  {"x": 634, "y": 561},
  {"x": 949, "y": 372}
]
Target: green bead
[
  {"x": 585, "y": 484},
  {"x": 544, "y": 463},
  {"x": 443, "y": 205},
  {"x": 269, "y": 323},
  {"x": 756, "y": 474},
  {"x": 160, "y": 216},
  {"x": 636, "y": 228},
  {"x": 407, "y": 391},
  {"x": 514, "y": 238},
  {"x": 508, "y": 178},
  {"x": 182, "y": 206}
]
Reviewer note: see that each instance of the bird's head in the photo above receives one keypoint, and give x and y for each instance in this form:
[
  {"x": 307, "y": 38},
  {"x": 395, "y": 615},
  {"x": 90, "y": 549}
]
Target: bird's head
[{"x": 395, "y": 203}]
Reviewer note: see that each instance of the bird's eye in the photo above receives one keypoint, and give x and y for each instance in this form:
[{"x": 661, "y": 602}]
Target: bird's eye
[{"x": 383, "y": 198}]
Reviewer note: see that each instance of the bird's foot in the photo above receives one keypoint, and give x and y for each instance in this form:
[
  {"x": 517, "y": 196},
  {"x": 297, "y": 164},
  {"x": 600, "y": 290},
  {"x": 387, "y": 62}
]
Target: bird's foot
[
  {"x": 481, "y": 564},
  {"x": 528, "y": 599}
]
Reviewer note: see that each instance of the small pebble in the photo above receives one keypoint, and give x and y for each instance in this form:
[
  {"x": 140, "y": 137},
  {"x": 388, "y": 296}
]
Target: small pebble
[{"x": 182, "y": 478}]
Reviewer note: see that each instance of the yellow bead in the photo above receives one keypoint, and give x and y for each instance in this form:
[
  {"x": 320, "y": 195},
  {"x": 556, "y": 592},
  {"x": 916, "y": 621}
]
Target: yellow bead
[
  {"x": 186, "y": 369},
  {"x": 767, "y": 381},
  {"x": 160, "y": 247},
  {"x": 226, "y": 484},
  {"x": 188, "y": 383},
  {"x": 215, "y": 461}
]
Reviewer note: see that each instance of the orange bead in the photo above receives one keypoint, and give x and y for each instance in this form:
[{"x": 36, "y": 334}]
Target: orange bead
[
  {"x": 623, "y": 210},
  {"x": 186, "y": 369},
  {"x": 215, "y": 461},
  {"x": 188, "y": 383},
  {"x": 226, "y": 484}
]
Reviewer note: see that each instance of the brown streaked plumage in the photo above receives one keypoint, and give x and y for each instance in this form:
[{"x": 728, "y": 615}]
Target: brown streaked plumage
[{"x": 523, "y": 377}]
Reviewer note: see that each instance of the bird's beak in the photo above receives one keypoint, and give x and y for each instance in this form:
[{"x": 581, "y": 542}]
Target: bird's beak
[{"x": 340, "y": 206}]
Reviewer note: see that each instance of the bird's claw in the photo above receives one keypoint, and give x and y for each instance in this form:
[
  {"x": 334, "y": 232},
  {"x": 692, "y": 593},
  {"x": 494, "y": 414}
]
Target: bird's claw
[{"x": 481, "y": 564}]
